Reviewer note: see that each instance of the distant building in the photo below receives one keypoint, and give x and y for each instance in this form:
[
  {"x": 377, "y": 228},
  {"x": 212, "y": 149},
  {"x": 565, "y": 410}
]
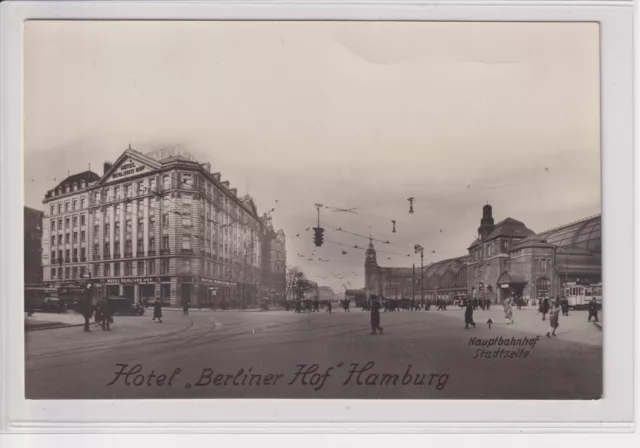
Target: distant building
[
  {"x": 326, "y": 293},
  {"x": 274, "y": 261},
  {"x": 506, "y": 259},
  {"x": 32, "y": 246}
]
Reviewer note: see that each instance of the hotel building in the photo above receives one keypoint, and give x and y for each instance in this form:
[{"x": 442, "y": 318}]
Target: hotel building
[{"x": 154, "y": 225}]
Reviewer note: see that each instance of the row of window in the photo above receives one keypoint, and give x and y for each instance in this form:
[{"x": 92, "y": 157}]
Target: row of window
[
  {"x": 67, "y": 238},
  {"x": 69, "y": 206},
  {"x": 57, "y": 258},
  {"x": 68, "y": 222}
]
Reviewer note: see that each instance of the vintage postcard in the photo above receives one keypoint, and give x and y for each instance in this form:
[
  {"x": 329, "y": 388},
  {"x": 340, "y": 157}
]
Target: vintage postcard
[{"x": 289, "y": 209}]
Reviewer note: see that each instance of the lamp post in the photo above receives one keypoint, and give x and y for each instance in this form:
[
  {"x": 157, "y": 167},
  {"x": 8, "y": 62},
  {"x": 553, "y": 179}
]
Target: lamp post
[{"x": 419, "y": 248}]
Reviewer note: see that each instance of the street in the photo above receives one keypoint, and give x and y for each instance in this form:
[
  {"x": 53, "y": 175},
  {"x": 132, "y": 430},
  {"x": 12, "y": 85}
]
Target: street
[{"x": 278, "y": 354}]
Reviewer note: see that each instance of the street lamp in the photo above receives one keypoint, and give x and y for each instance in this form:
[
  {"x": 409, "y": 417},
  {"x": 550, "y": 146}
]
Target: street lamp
[{"x": 419, "y": 248}]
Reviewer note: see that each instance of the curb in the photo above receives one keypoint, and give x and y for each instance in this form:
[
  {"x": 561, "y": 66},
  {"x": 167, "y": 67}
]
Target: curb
[{"x": 52, "y": 327}]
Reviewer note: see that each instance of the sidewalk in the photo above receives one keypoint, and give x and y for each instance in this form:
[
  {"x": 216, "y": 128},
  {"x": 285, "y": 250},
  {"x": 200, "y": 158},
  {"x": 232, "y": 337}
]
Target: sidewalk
[
  {"x": 573, "y": 327},
  {"x": 44, "y": 321}
]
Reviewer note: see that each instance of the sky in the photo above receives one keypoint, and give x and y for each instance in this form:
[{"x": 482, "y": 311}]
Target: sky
[{"x": 357, "y": 115}]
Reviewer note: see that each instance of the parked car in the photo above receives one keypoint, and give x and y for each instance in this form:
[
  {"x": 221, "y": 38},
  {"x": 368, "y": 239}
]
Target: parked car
[
  {"x": 52, "y": 305},
  {"x": 123, "y": 306}
]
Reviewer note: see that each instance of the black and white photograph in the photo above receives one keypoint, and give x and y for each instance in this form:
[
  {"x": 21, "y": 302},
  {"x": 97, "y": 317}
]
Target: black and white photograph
[{"x": 312, "y": 210}]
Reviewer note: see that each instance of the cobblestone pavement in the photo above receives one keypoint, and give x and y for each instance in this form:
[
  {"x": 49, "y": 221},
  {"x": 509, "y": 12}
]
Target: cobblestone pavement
[{"x": 430, "y": 352}]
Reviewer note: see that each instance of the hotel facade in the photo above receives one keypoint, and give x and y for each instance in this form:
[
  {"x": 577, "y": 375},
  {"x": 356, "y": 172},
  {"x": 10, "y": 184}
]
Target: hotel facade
[{"x": 156, "y": 225}]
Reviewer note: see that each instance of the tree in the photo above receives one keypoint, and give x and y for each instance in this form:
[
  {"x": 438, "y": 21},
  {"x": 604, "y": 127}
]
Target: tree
[{"x": 297, "y": 284}]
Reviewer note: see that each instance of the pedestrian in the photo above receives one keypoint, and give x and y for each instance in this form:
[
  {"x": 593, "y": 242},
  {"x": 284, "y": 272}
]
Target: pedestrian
[
  {"x": 519, "y": 303},
  {"x": 157, "y": 311},
  {"x": 565, "y": 306},
  {"x": 298, "y": 306},
  {"x": 98, "y": 315},
  {"x": 185, "y": 307},
  {"x": 328, "y": 310},
  {"x": 508, "y": 311},
  {"x": 475, "y": 304},
  {"x": 553, "y": 319},
  {"x": 316, "y": 306},
  {"x": 106, "y": 313},
  {"x": 468, "y": 316},
  {"x": 593, "y": 310},
  {"x": 375, "y": 316},
  {"x": 87, "y": 312},
  {"x": 544, "y": 308},
  {"x": 487, "y": 304}
]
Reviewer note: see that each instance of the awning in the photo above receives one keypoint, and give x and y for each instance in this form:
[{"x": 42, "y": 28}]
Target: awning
[{"x": 507, "y": 278}]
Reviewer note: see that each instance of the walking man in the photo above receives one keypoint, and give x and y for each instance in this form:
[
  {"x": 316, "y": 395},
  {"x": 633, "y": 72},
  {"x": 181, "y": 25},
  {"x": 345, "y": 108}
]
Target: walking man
[
  {"x": 375, "y": 315},
  {"x": 468, "y": 316},
  {"x": 328, "y": 307},
  {"x": 106, "y": 314},
  {"x": 593, "y": 310},
  {"x": 157, "y": 311},
  {"x": 185, "y": 307}
]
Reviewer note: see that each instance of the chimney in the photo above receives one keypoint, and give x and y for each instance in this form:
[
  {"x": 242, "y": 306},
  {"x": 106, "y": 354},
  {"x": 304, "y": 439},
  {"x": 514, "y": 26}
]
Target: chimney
[{"x": 106, "y": 167}]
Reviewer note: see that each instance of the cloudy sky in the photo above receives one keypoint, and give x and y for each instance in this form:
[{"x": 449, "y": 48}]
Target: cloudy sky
[{"x": 349, "y": 115}]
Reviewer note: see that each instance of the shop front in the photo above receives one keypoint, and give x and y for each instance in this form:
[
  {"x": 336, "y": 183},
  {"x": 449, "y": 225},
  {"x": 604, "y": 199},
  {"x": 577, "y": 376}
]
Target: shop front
[
  {"x": 139, "y": 290},
  {"x": 511, "y": 286}
]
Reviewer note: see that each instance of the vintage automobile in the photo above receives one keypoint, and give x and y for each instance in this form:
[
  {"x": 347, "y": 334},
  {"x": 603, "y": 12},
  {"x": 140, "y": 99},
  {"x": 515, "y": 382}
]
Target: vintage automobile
[
  {"x": 52, "y": 305},
  {"x": 123, "y": 306}
]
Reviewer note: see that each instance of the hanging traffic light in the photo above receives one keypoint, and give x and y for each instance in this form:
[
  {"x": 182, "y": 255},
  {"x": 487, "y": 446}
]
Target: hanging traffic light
[{"x": 318, "y": 237}]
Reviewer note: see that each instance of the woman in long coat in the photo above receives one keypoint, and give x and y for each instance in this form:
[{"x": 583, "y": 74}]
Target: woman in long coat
[
  {"x": 553, "y": 319},
  {"x": 375, "y": 315},
  {"x": 157, "y": 311},
  {"x": 544, "y": 308},
  {"x": 508, "y": 311}
]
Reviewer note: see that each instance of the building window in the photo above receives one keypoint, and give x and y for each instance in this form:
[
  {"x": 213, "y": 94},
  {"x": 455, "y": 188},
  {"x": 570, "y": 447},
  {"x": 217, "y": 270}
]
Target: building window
[
  {"x": 67, "y": 238},
  {"x": 53, "y": 272},
  {"x": 59, "y": 256},
  {"x": 53, "y": 210},
  {"x": 75, "y": 221},
  {"x": 187, "y": 181},
  {"x": 82, "y": 270},
  {"x": 83, "y": 203},
  {"x": 116, "y": 229},
  {"x": 186, "y": 221},
  {"x": 116, "y": 192},
  {"x": 67, "y": 271},
  {"x": 66, "y": 206},
  {"x": 140, "y": 226},
  {"x": 128, "y": 190},
  {"x": 67, "y": 223},
  {"x": 59, "y": 208},
  {"x": 129, "y": 228},
  {"x": 74, "y": 273},
  {"x": 116, "y": 269},
  {"x": 128, "y": 249},
  {"x": 53, "y": 240},
  {"x": 152, "y": 244},
  {"x": 187, "y": 266},
  {"x": 140, "y": 208},
  {"x": 186, "y": 242},
  {"x": 128, "y": 268},
  {"x": 83, "y": 254},
  {"x": 96, "y": 231},
  {"x": 75, "y": 205},
  {"x": 75, "y": 237},
  {"x": 165, "y": 266},
  {"x": 140, "y": 268},
  {"x": 83, "y": 236},
  {"x": 53, "y": 256},
  {"x": 151, "y": 267},
  {"x": 107, "y": 269},
  {"x": 152, "y": 185},
  {"x": 83, "y": 220},
  {"x": 165, "y": 242},
  {"x": 75, "y": 255},
  {"x": 166, "y": 182},
  {"x": 140, "y": 188},
  {"x": 107, "y": 229},
  {"x": 165, "y": 220},
  {"x": 53, "y": 225},
  {"x": 96, "y": 270},
  {"x": 140, "y": 247},
  {"x": 107, "y": 250}
]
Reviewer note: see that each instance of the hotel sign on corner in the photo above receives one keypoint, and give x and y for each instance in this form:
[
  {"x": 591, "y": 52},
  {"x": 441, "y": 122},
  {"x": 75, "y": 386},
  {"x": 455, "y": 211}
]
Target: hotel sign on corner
[{"x": 128, "y": 168}]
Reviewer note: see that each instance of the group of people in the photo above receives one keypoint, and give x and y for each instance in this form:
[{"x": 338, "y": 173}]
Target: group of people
[{"x": 102, "y": 312}]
